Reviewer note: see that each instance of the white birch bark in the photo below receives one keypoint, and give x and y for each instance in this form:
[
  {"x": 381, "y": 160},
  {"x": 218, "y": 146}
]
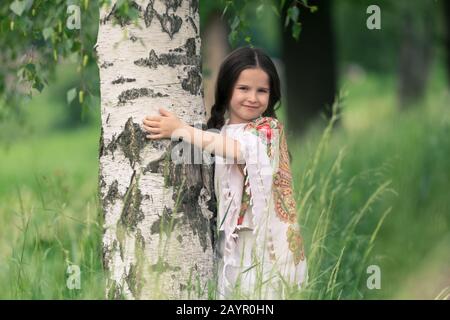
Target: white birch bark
[{"x": 152, "y": 248}]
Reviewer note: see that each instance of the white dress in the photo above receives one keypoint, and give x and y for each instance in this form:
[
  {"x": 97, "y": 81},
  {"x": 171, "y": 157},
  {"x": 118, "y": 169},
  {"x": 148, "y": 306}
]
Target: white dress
[{"x": 253, "y": 247}]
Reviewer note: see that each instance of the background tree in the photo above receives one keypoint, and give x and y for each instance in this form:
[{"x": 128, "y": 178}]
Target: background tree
[
  {"x": 214, "y": 50},
  {"x": 416, "y": 50},
  {"x": 309, "y": 57},
  {"x": 446, "y": 6}
]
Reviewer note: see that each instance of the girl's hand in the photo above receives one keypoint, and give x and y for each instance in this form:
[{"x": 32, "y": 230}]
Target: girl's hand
[{"x": 162, "y": 126}]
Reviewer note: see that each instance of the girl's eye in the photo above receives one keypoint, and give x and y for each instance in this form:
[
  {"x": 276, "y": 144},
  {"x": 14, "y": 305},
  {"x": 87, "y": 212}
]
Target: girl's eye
[{"x": 243, "y": 88}]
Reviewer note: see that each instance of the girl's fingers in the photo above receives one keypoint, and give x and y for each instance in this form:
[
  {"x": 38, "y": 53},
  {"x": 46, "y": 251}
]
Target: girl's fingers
[
  {"x": 153, "y": 118},
  {"x": 152, "y": 129},
  {"x": 164, "y": 112},
  {"x": 154, "y": 136},
  {"x": 151, "y": 123}
]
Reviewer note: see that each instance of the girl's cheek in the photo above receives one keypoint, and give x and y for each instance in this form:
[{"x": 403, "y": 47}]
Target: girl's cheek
[{"x": 265, "y": 100}]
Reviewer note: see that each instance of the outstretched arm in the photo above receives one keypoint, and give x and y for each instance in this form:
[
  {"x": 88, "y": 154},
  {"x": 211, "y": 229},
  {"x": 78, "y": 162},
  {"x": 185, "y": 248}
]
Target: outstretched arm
[{"x": 167, "y": 125}]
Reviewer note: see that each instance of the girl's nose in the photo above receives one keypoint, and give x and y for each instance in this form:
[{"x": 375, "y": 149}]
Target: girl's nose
[{"x": 252, "y": 97}]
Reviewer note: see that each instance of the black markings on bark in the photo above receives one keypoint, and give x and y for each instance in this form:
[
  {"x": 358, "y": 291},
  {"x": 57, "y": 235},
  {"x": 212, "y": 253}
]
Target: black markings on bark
[
  {"x": 107, "y": 254},
  {"x": 133, "y": 38},
  {"x": 172, "y": 4},
  {"x": 162, "y": 266},
  {"x": 153, "y": 167},
  {"x": 102, "y": 183},
  {"x": 106, "y": 64},
  {"x": 194, "y": 6},
  {"x": 159, "y": 165},
  {"x": 112, "y": 146},
  {"x": 165, "y": 223},
  {"x": 148, "y": 14},
  {"x": 173, "y": 59},
  {"x": 190, "y": 47},
  {"x": 170, "y": 24},
  {"x": 193, "y": 25},
  {"x": 193, "y": 82},
  {"x": 131, "y": 140},
  {"x": 157, "y": 144},
  {"x": 121, "y": 80},
  {"x": 113, "y": 193},
  {"x": 131, "y": 213},
  {"x": 106, "y": 257},
  {"x": 151, "y": 61},
  {"x": 136, "y": 93},
  {"x": 101, "y": 144}
]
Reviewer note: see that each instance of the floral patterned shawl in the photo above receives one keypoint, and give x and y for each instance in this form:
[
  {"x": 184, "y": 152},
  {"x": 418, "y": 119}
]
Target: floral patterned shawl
[{"x": 267, "y": 191}]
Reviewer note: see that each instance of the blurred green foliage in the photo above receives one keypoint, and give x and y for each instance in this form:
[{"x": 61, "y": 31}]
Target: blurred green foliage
[
  {"x": 377, "y": 50},
  {"x": 49, "y": 214}
]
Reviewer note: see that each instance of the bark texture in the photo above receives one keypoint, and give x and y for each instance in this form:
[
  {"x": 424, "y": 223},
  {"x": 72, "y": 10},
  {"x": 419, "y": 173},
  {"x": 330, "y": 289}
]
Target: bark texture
[{"x": 157, "y": 239}]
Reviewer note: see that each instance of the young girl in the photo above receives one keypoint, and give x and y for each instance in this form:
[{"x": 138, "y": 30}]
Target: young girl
[{"x": 260, "y": 247}]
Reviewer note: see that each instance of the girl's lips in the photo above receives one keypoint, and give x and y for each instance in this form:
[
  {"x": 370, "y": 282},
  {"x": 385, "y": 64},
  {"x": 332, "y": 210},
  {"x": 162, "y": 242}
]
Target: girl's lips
[{"x": 251, "y": 107}]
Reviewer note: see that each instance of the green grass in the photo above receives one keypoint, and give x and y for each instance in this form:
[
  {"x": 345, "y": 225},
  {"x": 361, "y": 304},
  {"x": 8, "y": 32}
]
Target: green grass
[
  {"x": 49, "y": 218},
  {"x": 409, "y": 149},
  {"x": 376, "y": 193}
]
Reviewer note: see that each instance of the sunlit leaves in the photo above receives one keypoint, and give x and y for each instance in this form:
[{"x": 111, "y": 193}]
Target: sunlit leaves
[
  {"x": 35, "y": 38},
  {"x": 71, "y": 94},
  {"x": 293, "y": 16},
  {"x": 18, "y": 7},
  {"x": 47, "y": 32}
]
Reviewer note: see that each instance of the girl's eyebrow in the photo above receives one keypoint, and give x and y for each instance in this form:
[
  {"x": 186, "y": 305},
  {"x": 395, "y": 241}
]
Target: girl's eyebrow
[{"x": 244, "y": 85}]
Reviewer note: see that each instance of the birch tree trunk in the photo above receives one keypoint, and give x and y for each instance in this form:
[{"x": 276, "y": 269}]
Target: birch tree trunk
[{"x": 158, "y": 239}]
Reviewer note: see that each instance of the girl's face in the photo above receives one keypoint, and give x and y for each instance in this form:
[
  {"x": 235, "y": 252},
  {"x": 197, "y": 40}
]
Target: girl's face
[{"x": 250, "y": 97}]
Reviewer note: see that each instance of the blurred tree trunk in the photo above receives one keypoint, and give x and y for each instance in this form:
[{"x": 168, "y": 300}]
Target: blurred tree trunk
[
  {"x": 415, "y": 56},
  {"x": 310, "y": 66},
  {"x": 447, "y": 35},
  {"x": 146, "y": 199},
  {"x": 214, "y": 50}
]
